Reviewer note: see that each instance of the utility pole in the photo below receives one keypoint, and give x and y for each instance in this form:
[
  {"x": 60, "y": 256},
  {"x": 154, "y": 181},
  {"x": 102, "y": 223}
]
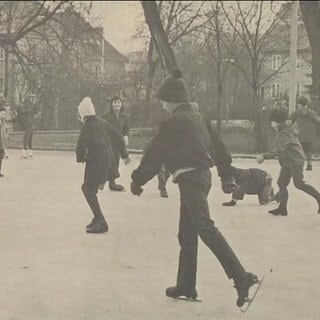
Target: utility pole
[{"x": 293, "y": 56}]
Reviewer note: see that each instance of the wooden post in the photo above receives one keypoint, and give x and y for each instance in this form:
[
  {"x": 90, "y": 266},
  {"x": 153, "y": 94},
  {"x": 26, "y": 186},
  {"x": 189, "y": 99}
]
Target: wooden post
[{"x": 293, "y": 56}]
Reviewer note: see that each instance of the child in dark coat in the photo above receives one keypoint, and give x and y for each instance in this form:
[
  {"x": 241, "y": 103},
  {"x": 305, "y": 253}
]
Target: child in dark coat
[
  {"x": 3, "y": 117},
  {"x": 94, "y": 148},
  {"x": 188, "y": 146},
  {"x": 118, "y": 121},
  {"x": 252, "y": 181},
  {"x": 291, "y": 158}
]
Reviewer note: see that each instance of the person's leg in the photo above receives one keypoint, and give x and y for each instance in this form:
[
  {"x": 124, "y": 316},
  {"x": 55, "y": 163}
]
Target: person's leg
[
  {"x": 1, "y": 157},
  {"x": 112, "y": 183},
  {"x": 163, "y": 176},
  {"x": 267, "y": 193},
  {"x": 25, "y": 143},
  {"x": 194, "y": 188},
  {"x": 283, "y": 182},
  {"x": 30, "y": 138},
  {"x": 299, "y": 183},
  {"x": 308, "y": 153},
  {"x": 99, "y": 223}
]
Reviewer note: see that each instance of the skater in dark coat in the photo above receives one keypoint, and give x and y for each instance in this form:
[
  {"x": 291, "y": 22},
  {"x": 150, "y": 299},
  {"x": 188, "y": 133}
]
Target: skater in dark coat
[
  {"x": 290, "y": 154},
  {"x": 94, "y": 148},
  {"x": 3, "y": 117},
  {"x": 188, "y": 146},
  {"x": 25, "y": 117},
  {"x": 251, "y": 181},
  {"x": 117, "y": 120},
  {"x": 307, "y": 119}
]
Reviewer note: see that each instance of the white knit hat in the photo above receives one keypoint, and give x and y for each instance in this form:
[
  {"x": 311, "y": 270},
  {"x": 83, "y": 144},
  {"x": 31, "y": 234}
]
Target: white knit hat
[{"x": 86, "y": 108}]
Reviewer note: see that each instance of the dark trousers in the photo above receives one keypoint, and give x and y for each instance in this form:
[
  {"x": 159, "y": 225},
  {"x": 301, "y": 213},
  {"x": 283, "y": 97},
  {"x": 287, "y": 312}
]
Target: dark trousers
[
  {"x": 307, "y": 150},
  {"x": 296, "y": 172},
  {"x": 163, "y": 176},
  {"x": 27, "y": 138},
  {"x": 90, "y": 193},
  {"x": 264, "y": 195},
  {"x": 195, "y": 220}
]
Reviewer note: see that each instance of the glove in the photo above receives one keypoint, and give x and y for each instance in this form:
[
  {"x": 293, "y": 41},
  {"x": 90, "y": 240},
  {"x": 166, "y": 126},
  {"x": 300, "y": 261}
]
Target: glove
[
  {"x": 136, "y": 190},
  {"x": 228, "y": 185}
]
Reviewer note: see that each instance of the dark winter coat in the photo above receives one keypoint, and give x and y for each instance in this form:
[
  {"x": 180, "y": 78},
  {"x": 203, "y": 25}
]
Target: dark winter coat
[
  {"x": 186, "y": 139},
  {"x": 288, "y": 148},
  {"x": 306, "y": 119},
  {"x": 95, "y": 149},
  {"x": 250, "y": 181},
  {"x": 25, "y": 117}
]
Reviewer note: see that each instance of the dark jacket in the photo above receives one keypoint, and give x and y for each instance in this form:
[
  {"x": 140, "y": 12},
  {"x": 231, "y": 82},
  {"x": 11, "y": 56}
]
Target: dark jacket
[
  {"x": 306, "y": 119},
  {"x": 186, "y": 139},
  {"x": 288, "y": 148},
  {"x": 121, "y": 123},
  {"x": 25, "y": 117},
  {"x": 250, "y": 181},
  {"x": 94, "y": 148}
]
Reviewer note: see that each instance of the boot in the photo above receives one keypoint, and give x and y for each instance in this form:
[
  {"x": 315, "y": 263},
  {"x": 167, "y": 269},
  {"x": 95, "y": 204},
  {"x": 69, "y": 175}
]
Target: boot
[
  {"x": 176, "y": 292},
  {"x": 93, "y": 221},
  {"x": 24, "y": 154},
  {"x": 164, "y": 193},
  {"x": 115, "y": 187},
  {"x": 309, "y": 167},
  {"x": 98, "y": 227},
  {"x": 279, "y": 211},
  {"x": 243, "y": 284},
  {"x": 231, "y": 203}
]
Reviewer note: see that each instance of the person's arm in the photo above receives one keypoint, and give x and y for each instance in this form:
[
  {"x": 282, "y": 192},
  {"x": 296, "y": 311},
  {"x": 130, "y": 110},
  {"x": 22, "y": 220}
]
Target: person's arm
[
  {"x": 150, "y": 163},
  {"x": 82, "y": 146},
  {"x": 219, "y": 152},
  {"x": 242, "y": 188},
  {"x": 284, "y": 140}
]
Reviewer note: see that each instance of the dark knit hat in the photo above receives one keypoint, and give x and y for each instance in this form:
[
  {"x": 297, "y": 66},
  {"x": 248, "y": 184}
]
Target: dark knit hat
[
  {"x": 279, "y": 115},
  {"x": 303, "y": 101},
  {"x": 173, "y": 89},
  {"x": 114, "y": 98}
]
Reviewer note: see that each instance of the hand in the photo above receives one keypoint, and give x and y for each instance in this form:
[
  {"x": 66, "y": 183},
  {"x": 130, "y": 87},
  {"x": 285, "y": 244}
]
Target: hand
[
  {"x": 126, "y": 161},
  {"x": 228, "y": 185},
  {"x": 126, "y": 140},
  {"x": 136, "y": 190},
  {"x": 260, "y": 159}
]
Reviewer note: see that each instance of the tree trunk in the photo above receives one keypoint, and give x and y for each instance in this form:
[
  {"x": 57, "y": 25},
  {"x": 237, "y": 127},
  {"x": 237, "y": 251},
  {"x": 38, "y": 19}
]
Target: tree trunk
[
  {"x": 311, "y": 17},
  {"x": 158, "y": 35}
]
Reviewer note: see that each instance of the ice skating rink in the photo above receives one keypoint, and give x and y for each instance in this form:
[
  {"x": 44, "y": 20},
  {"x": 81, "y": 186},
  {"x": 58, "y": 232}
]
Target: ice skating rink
[{"x": 52, "y": 270}]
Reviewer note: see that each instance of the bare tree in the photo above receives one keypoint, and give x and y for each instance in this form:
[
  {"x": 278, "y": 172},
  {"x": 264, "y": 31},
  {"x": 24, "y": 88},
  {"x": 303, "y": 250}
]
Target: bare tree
[{"x": 254, "y": 25}]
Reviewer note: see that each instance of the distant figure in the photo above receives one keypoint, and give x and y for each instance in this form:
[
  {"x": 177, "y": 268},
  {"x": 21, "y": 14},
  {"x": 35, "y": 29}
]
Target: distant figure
[
  {"x": 25, "y": 117},
  {"x": 94, "y": 148},
  {"x": 306, "y": 119},
  {"x": 3, "y": 117},
  {"x": 290, "y": 154},
  {"x": 118, "y": 121},
  {"x": 252, "y": 181}
]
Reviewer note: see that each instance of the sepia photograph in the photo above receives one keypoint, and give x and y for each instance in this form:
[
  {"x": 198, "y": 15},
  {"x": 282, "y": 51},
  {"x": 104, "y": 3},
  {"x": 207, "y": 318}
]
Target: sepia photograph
[{"x": 159, "y": 160}]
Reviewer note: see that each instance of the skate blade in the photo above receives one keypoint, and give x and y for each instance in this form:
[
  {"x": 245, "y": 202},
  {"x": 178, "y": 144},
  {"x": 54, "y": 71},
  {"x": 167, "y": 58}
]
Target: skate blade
[
  {"x": 250, "y": 300},
  {"x": 188, "y": 299}
]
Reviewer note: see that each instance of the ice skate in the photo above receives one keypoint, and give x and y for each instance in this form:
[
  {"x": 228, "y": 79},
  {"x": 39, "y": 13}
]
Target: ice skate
[
  {"x": 243, "y": 285},
  {"x": 116, "y": 187},
  {"x": 29, "y": 154},
  {"x": 97, "y": 227},
  {"x": 279, "y": 211},
  {"x": 189, "y": 294},
  {"x": 231, "y": 203},
  {"x": 24, "y": 154}
]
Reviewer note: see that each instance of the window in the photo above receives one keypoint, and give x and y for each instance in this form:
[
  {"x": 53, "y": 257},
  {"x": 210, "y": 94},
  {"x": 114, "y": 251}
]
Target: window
[
  {"x": 276, "y": 62},
  {"x": 276, "y": 90},
  {"x": 1, "y": 85},
  {"x": 1, "y": 54}
]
